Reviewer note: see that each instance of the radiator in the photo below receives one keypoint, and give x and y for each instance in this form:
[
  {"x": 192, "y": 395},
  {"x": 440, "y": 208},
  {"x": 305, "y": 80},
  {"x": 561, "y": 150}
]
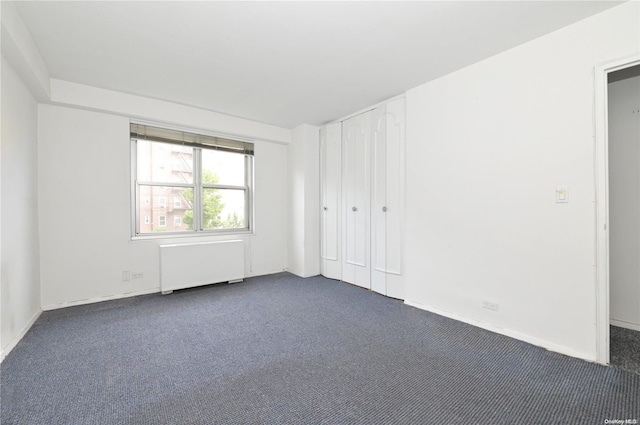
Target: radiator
[{"x": 195, "y": 264}]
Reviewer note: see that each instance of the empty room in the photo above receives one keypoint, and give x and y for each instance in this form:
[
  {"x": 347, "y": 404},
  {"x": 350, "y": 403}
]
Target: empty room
[{"x": 320, "y": 212}]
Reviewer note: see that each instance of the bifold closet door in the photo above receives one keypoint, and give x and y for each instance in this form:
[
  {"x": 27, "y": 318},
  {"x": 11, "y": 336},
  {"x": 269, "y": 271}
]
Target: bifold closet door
[
  {"x": 387, "y": 198},
  {"x": 356, "y": 160},
  {"x": 330, "y": 193}
]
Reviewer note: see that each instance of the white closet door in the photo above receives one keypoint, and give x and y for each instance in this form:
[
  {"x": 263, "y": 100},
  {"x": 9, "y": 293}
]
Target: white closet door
[
  {"x": 379, "y": 200},
  {"x": 388, "y": 198},
  {"x": 356, "y": 133},
  {"x": 330, "y": 190},
  {"x": 395, "y": 132}
]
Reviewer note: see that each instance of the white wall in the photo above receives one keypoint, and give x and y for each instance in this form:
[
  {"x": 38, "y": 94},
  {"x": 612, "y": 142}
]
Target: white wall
[
  {"x": 20, "y": 248},
  {"x": 160, "y": 111},
  {"x": 304, "y": 202},
  {"x": 486, "y": 148},
  {"x": 312, "y": 200},
  {"x": 20, "y": 50},
  {"x": 624, "y": 202},
  {"x": 84, "y": 188}
]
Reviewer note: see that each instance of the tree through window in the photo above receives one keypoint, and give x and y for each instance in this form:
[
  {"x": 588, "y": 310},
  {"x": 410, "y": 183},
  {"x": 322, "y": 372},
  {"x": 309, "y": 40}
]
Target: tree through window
[{"x": 208, "y": 183}]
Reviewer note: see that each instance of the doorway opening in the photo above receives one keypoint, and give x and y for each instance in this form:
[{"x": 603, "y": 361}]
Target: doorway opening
[
  {"x": 617, "y": 143},
  {"x": 623, "y": 100}
]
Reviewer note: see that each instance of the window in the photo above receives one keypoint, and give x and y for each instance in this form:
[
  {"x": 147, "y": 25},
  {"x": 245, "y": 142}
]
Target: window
[
  {"x": 147, "y": 219},
  {"x": 209, "y": 184}
]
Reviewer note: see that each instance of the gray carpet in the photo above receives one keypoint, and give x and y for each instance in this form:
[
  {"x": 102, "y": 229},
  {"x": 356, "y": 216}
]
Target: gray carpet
[
  {"x": 284, "y": 350},
  {"x": 624, "y": 349}
]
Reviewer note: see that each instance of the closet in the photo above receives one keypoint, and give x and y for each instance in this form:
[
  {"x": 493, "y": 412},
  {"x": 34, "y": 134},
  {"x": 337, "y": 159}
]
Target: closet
[
  {"x": 387, "y": 203},
  {"x": 356, "y": 170},
  {"x": 330, "y": 194},
  {"x": 362, "y": 199}
]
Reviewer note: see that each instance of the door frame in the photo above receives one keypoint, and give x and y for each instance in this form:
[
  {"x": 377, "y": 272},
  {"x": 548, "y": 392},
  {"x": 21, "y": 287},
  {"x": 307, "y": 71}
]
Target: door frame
[{"x": 601, "y": 168}]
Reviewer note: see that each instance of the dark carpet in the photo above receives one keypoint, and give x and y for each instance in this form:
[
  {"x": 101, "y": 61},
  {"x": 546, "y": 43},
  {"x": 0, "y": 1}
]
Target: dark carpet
[
  {"x": 284, "y": 350},
  {"x": 625, "y": 349}
]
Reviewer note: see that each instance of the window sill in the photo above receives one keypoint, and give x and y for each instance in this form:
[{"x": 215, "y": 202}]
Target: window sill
[{"x": 191, "y": 235}]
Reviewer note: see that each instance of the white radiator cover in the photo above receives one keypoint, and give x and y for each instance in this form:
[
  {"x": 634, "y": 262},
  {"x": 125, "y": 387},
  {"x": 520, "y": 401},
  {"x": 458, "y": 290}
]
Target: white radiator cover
[{"x": 194, "y": 264}]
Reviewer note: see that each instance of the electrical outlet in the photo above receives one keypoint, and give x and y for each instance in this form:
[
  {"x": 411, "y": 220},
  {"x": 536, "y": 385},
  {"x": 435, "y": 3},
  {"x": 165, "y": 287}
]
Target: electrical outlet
[
  {"x": 137, "y": 275},
  {"x": 126, "y": 276},
  {"x": 490, "y": 305}
]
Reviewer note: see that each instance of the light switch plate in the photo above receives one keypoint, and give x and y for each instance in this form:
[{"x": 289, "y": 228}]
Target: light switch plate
[{"x": 562, "y": 195}]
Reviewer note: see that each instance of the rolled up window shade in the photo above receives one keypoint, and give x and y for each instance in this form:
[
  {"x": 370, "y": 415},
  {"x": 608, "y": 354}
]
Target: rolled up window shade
[{"x": 165, "y": 135}]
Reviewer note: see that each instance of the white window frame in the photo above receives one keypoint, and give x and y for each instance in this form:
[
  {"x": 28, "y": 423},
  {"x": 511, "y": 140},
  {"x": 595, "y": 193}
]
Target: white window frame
[
  {"x": 161, "y": 219},
  {"x": 162, "y": 202},
  {"x": 177, "y": 221},
  {"x": 177, "y": 202},
  {"x": 147, "y": 219},
  {"x": 198, "y": 187}
]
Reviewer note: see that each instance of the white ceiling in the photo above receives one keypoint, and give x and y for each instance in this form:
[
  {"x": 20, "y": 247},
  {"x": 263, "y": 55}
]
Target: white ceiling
[{"x": 283, "y": 63}]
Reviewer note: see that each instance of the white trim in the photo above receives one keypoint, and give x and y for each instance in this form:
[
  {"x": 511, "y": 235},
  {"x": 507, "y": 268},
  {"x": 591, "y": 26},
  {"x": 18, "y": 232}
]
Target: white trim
[
  {"x": 626, "y": 325},
  {"x": 601, "y": 185},
  {"x": 508, "y": 332},
  {"x": 100, "y": 299},
  {"x": 367, "y": 109},
  {"x": 16, "y": 339}
]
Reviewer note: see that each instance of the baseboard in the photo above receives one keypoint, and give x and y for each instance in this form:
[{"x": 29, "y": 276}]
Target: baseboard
[
  {"x": 125, "y": 295},
  {"x": 100, "y": 299},
  {"x": 303, "y": 275},
  {"x": 304, "y": 272},
  {"x": 626, "y": 325},
  {"x": 265, "y": 273},
  {"x": 16, "y": 339},
  {"x": 510, "y": 333}
]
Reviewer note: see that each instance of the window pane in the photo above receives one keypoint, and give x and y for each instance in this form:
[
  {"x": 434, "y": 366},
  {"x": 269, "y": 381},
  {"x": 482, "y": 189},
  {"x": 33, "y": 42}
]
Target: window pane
[
  {"x": 222, "y": 168},
  {"x": 161, "y": 216},
  {"x": 164, "y": 162},
  {"x": 223, "y": 209}
]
